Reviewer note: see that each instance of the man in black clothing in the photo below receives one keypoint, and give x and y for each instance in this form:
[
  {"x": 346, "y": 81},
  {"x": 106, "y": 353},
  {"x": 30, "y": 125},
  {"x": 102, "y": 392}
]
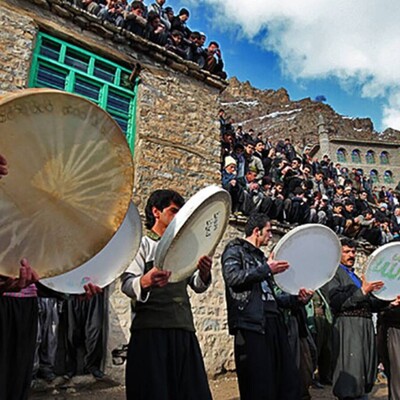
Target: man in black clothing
[
  {"x": 179, "y": 23},
  {"x": 264, "y": 363}
]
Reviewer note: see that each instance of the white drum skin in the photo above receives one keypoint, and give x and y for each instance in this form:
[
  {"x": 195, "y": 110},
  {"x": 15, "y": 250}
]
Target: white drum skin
[
  {"x": 195, "y": 231},
  {"x": 108, "y": 264},
  {"x": 384, "y": 265},
  {"x": 313, "y": 252}
]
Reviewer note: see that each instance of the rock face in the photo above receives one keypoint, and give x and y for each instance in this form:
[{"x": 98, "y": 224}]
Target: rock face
[{"x": 277, "y": 116}]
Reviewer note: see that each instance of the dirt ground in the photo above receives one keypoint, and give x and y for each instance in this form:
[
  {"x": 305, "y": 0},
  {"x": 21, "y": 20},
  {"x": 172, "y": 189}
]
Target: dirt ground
[{"x": 224, "y": 388}]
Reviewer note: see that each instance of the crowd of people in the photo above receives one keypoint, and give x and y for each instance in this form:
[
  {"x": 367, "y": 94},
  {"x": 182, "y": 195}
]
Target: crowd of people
[
  {"x": 295, "y": 188},
  {"x": 283, "y": 343},
  {"x": 160, "y": 25}
]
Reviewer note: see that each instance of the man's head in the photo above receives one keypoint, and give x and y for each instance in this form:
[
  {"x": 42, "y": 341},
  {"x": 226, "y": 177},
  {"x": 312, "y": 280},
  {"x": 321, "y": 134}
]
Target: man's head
[
  {"x": 170, "y": 13},
  {"x": 258, "y": 227},
  {"x": 202, "y": 38},
  {"x": 251, "y": 175},
  {"x": 338, "y": 208},
  {"x": 230, "y": 165},
  {"x": 162, "y": 207},
  {"x": 137, "y": 8},
  {"x": 260, "y": 146},
  {"x": 349, "y": 206},
  {"x": 177, "y": 36},
  {"x": 363, "y": 195},
  {"x": 319, "y": 176},
  {"x": 296, "y": 163},
  {"x": 160, "y": 2},
  {"x": 183, "y": 14},
  {"x": 249, "y": 148},
  {"x": 348, "y": 257},
  {"x": 213, "y": 47}
]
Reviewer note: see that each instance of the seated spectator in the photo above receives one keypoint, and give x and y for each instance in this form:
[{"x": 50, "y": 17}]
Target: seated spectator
[
  {"x": 174, "y": 43},
  {"x": 194, "y": 52},
  {"x": 229, "y": 173},
  {"x": 213, "y": 62},
  {"x": 134, "y": 20},
  {"x": 179, "y": 23},
  {"x": 362, "y": 203},
  {"x": 238, "y": 155},
  {"x": 155, "y": 30},
  {"x": 250, "y": 197},
  {"x": 252, "y": 161},
  {"x": 89, "y": 5},
  {"x": 169, "y": 12},
  {"x": 336, "y": 220},
  {"x": 157, "y": 7},
  {"x": 114, "y": 12},
  {"x": 289, "y": 150}
]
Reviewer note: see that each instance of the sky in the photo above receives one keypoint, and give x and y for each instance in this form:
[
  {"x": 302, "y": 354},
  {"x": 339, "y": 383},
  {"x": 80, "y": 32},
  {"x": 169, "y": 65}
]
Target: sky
[{"x": 345, "y": 50}]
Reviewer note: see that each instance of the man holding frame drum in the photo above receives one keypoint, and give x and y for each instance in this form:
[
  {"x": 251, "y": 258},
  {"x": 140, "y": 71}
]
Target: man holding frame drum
[
  {"x": 354, "y": 347},
  {"x": 265, "y": 366},
  {"x": 164, "y": 358}
]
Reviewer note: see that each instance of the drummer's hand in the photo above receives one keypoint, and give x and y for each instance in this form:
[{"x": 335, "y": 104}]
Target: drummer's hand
[
  {"x": 91, "y": 290},
  {"x": 27, "y": 276},
  {"x": 3, "y": 166},
  {"x": 277, "y": 266},
  {"x": 368, "y": 287},
  {"x": 305, "y": 295},
  {"x": 396, "y": 302},
  {"x": 204, "y": 266},
  {"x": 154, "y": 278}
]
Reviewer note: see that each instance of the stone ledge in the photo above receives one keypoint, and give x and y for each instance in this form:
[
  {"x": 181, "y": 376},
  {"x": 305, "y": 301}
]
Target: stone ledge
[{"x": 86, "y": 21}]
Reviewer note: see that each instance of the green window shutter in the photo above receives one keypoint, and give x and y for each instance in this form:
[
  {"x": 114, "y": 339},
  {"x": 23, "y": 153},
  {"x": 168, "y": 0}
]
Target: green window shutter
[{"x": 59, "y": 65}]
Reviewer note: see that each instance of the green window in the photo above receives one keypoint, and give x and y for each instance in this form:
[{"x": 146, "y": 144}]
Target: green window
[{"x": 59, "y": 65}]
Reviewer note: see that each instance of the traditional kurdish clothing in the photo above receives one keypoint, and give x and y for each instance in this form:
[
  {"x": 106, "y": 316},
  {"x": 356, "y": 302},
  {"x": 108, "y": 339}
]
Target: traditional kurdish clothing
[
  {"x": 164, "y": 358},
  {"x": 18, "y": 329},
  {"x": 389, "y": 346},
  {"x": 354, "y": 348}
]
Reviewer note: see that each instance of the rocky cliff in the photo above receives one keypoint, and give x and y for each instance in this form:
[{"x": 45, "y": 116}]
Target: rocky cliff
[{"x": 277, "y": 116}]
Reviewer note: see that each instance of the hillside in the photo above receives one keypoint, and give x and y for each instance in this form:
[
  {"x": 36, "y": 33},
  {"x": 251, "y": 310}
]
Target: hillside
[{"x": 275, "y": 114}]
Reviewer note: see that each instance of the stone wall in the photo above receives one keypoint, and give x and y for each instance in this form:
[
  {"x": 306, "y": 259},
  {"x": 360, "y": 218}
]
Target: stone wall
[
  {"x": 177, "y": 138},
  {"x": 17, "y": 34}
]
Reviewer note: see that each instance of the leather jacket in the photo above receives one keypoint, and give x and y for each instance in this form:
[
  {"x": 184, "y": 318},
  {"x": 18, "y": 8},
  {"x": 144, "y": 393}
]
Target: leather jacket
[{"x": 244, "y": 267}]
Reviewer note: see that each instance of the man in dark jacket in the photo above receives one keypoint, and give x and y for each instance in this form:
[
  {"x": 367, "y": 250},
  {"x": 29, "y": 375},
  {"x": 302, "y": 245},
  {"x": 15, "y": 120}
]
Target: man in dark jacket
[{"x": 265, "y": 365}]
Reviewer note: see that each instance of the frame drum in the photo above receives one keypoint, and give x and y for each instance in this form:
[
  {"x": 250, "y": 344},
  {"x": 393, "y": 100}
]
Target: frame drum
[
  {"x": 384, "y": 265},
  {"x": 313, "y": 252},
  {"x": 195, "y": 231},
  {"x": 107, "y": 265},
  {"x": 69, "y": 184}
]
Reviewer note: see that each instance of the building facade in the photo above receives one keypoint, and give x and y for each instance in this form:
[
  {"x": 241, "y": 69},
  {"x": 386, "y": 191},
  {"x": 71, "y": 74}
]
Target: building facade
[{"x": 377, "y": 159}]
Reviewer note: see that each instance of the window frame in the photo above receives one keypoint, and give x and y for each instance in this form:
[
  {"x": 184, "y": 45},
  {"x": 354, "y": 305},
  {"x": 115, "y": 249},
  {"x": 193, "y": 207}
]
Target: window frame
[{"x": 74, "y": 75}]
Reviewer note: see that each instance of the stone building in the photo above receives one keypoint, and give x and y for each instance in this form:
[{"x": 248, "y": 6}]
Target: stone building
[
  {"x": 166, "y": 106},
  {"x": 375, "y": 158}
]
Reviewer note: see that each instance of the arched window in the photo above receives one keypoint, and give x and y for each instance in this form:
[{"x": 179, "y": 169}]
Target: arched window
[
  {"x": 384, "y": 157},
  {"x": 374, "y": 176},
  {"x": 341, "y": 155},
  {"x": 370, "y": 157},
  {"x": 388, "y": 177},
  {"x": 356, "y": 156}
]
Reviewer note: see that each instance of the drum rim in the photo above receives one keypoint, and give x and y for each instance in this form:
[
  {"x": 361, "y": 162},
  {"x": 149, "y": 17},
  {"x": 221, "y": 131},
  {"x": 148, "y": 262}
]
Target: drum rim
[
  {"x": 293, "y": 232},
  {"x": 174, "y": 229},
  {"x": 132, "y": 214},
  {"x": 371, "y": 258}
]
